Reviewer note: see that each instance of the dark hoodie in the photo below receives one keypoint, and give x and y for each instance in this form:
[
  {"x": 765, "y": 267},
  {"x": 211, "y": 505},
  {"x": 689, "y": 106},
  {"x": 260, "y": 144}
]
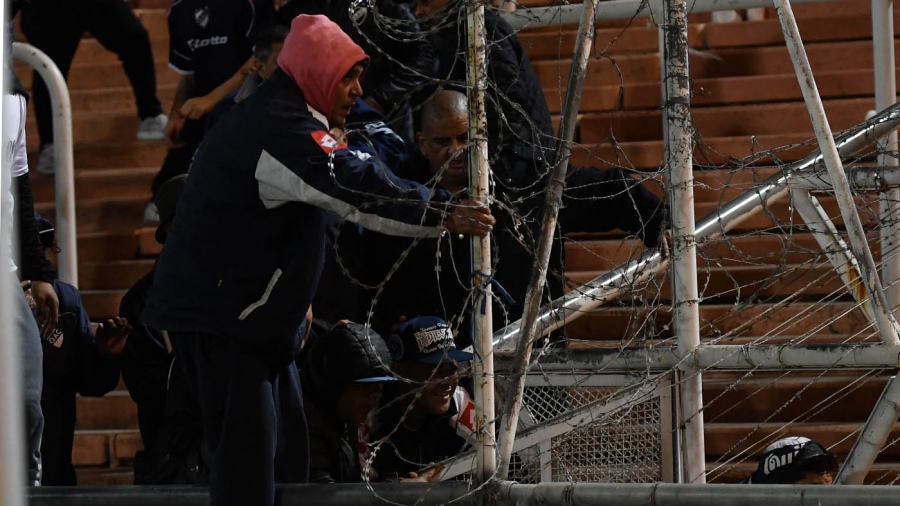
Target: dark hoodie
[
  {"x": 244, "y": 255},
  {"x": 346, "y": 353}
]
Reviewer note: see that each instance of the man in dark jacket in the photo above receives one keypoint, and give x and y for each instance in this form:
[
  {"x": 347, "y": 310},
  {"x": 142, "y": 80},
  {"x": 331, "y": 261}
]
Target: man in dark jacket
[
  {"x": 594, "y": 201},
  {"x": 243, "y": 257},
  {"x": 342, "y": 373}
]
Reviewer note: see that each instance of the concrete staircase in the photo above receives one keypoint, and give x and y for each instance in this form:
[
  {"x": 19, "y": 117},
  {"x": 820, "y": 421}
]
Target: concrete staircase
[{"x": 743, "y": 86}]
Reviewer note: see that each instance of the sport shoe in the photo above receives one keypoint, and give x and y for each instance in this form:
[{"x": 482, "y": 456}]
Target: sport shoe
[
  {"x": 47, "y": 161},
  {"x": 151, "y": 214},
  {"x": 153, "y": 129}
]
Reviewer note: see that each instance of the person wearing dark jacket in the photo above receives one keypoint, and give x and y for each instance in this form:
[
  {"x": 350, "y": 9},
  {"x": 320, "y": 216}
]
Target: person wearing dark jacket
[
  {"x": 342, "y": 373},
  {"x": 16, "y": 203},
  {"x": 77, "y": 361},
  {"x": 594, "y": 201},
  {"x": 402, "y": 59},
  {"x": 243, "y": 258}
]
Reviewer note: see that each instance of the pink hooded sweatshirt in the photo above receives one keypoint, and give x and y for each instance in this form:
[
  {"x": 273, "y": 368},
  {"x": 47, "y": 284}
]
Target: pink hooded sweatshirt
[{"x": 317, "y": 54}]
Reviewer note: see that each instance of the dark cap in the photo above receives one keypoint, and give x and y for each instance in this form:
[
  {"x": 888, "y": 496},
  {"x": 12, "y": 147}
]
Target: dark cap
[
  {"x": 350, "y": 353},
  {"x": 166, "y": 199},
  {"x": 46, "y": 232},
  {"x": 425, "y": 339},
  {"x": 786, "y": 460}
]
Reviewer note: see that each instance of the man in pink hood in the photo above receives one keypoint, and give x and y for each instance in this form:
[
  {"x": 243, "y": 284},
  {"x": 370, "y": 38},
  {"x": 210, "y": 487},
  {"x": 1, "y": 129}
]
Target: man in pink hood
[{"x": 244, "y": 254}]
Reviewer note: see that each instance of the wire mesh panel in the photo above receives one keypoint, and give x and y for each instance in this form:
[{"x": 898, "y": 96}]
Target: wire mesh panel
[{"x": 631, "y": 444}]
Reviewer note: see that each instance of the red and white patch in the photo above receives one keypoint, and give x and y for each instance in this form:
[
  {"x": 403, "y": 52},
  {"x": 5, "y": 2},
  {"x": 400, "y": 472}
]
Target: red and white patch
[{"x": 325, "y": 141}]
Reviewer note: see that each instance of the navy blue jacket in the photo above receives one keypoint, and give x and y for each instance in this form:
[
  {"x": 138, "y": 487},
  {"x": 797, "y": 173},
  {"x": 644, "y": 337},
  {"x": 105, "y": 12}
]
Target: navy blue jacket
[{"x": 245, "y": 252}]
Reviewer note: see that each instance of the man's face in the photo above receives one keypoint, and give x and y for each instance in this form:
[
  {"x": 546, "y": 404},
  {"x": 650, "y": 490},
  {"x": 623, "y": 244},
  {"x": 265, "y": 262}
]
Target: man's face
[
  {"x": 437, "y": 385},
  {"x": 811, "y": 478},
  {"x": 267, "y": 66},
  {"x": 426, "y": 9},
  {"x": 442, "y": 142},
  {"x": 357, "y": 400},
  {"x": 348, "y": 90}
]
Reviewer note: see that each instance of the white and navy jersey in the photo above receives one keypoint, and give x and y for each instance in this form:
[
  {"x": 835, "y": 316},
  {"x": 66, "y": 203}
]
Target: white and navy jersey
[{"x": 211, "y": 39}]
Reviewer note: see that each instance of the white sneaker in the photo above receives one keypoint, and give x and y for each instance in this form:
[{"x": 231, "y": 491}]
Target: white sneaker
[
  {"x": 153, "y": 129},
  {"x": 47, "y": 161},
  {"x": 151, "y": 214}
]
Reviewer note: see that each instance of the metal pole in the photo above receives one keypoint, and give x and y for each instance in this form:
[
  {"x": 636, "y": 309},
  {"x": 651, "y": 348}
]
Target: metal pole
[
  {"x": 878, "y": 427},
  {"x": 12, "y": 449},
  {"x": 482, "y": 318},
  {"x": 884, "y": 319},
  {"x": 684, "y": 253},
  {"x": 723, "y": 357},
  {"x": 67, "y": 261},
  {"x": 872, "y": 437},
  {"x": 555, "y": 186},
  {"x": 885, "y": 96},
  {"x": 569, "y": 14},
  {"x": 642, "y": 494},
  {"x": 609, "y": 285}
]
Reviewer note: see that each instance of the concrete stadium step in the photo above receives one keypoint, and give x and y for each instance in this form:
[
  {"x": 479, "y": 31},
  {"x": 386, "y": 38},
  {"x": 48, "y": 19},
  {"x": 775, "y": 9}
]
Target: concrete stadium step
[
  {"x": 720, "y": 91},
  {"x": 726, "y": 121},
  {"x": 713, "y": 151},
  {"x": 596, "y": 254},
  {"x": 100, "y": 75},
  {"x": 95, "y": 127},
  {"x": 93, "y": 184},
  {"x": 118, "y": 99},
  {"x": 808, "y": 397},
  {"x": 113, "y": 411},
  {"x": 102, "y": 304},
  {"x": 106, "y": 246},
  {"x": 553, "y": 43},
  {"x": 821, "y": 322},
  {"x": 105, "y": 457},
  {"x": 99, "y": 215},
  {"x": 745, "y": 282},
  {"x": 726, "y": 438},
  {"x": 114, "y": 155},
  {"x": 718, "y": 62},
  {"x": 105, "y": 275}
]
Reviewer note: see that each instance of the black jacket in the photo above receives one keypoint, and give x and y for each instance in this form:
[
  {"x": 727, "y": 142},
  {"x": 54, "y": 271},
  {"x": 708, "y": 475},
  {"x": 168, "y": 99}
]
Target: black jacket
[{"x": 328, "y": 365}]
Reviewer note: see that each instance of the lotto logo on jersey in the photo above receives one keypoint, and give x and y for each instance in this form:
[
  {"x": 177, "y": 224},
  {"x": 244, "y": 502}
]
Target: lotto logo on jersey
[{"x": 325, "y": 141}]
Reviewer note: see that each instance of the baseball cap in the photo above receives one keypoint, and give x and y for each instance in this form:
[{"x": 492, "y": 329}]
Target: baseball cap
[
  {"x": 46, "y": 232},
  {"x": 355, "y": 352},
  {"x": 425, "y": 339},
  {"x": 166, "y": 199},
  {"x": 785, "y": 460}
]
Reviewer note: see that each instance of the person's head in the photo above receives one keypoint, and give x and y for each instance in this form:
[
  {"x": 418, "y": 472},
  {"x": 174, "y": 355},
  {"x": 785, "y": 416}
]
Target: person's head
[
  {"x": 326, "y": 65},
  {"x": 443, "y": 137},
  {"x": 428, "y": 11},
  {"x": 346, "y": 369},
  {"x": 266, "y": 47},
  {"x": 166, "y": 200},
  {"x": 425, "y": 355},
  {"x": 795, "y": 460}
]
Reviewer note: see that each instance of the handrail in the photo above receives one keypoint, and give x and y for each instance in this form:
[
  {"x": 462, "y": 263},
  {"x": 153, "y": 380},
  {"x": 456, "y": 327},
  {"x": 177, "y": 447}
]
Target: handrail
[{"x": 67, "y": 260}]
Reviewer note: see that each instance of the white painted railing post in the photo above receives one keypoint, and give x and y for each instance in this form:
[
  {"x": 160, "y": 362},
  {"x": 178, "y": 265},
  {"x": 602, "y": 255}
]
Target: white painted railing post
[
  {"x": 679, "y": 161},
  {"x": 67, "y": 261}
]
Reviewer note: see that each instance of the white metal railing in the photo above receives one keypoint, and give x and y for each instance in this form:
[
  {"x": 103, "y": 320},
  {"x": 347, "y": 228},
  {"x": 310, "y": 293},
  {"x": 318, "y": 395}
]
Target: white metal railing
[{"x": 67, "y": 261}]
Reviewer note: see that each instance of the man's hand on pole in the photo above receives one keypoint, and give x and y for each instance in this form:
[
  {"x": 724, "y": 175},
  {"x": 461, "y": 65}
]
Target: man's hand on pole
[{"x": 470, "y": 217}]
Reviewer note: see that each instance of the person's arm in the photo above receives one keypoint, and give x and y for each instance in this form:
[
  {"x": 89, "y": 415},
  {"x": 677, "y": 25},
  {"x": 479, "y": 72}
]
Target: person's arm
[
  {"x": 34, "y": 265},
  {"x": 599, "y": 200},
  {"x": 183, "y": 91},
  {"x": 197, "y": 107},
  {"x": 313, "y": 167}
]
